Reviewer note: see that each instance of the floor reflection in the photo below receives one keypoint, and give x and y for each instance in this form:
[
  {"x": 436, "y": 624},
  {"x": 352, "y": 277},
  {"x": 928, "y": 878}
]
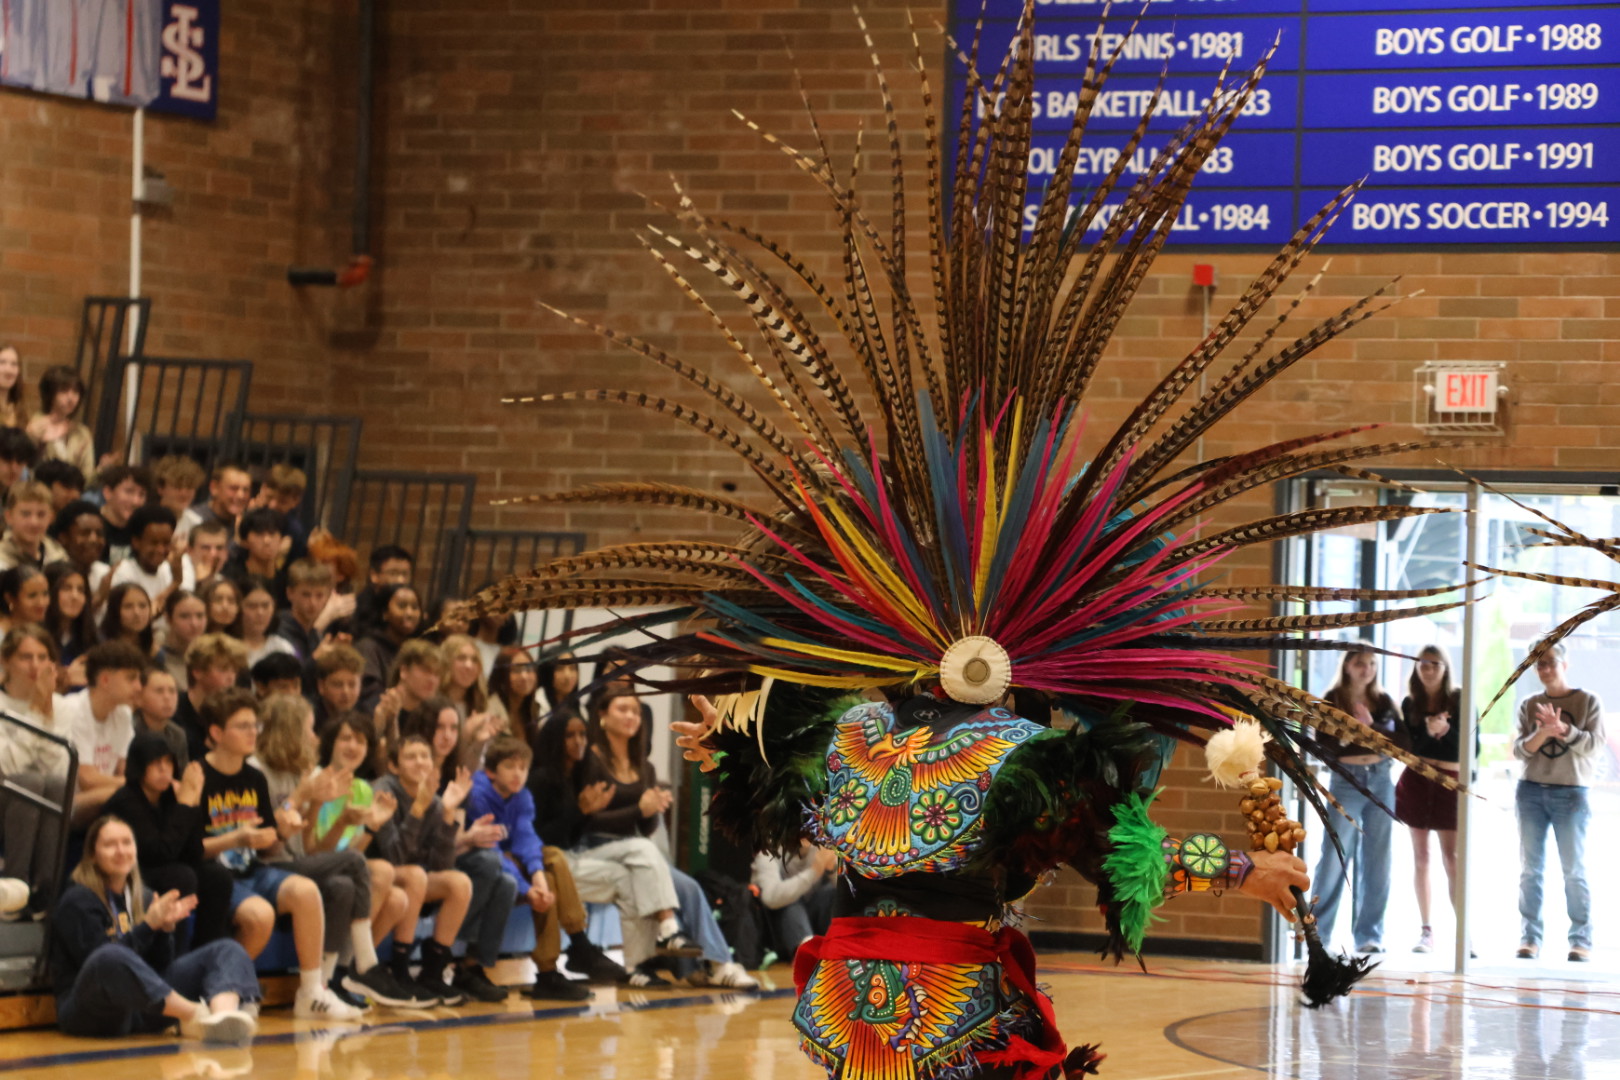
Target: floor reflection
[{"x": 1430, "y": 1034}]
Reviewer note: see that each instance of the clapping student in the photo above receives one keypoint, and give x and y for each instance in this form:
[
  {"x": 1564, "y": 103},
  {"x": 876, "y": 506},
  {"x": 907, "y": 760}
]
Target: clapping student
[
  {"x": 162, "y": 804},
  {"x": 422, "y": 835},
  {"x": 113, "y": 961}
]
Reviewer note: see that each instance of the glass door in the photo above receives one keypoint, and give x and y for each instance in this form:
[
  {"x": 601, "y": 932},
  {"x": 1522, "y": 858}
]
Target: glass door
[{"x": 1428, "y": 552}]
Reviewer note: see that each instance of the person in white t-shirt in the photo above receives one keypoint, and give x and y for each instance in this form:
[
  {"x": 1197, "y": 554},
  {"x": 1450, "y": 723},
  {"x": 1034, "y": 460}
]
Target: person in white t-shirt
[
  {"x": 99, "y": 722},
  {"x": 154, "y": 562}
]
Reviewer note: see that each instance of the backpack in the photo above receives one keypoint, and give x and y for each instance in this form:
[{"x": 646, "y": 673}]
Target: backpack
[{"x": 741, "y": 916}]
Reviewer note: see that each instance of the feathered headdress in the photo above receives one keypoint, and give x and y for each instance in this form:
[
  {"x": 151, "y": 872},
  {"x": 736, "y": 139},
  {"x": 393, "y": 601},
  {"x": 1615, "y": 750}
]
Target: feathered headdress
[{"x": 957, "y": 536}]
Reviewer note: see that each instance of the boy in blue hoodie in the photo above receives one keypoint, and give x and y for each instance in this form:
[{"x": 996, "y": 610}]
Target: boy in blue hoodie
[{"x": 544, "y": 880}]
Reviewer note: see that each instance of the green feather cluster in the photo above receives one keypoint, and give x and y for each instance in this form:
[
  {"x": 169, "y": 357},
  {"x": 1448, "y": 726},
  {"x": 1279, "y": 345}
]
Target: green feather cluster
[{"x": 1136, "y": 868}]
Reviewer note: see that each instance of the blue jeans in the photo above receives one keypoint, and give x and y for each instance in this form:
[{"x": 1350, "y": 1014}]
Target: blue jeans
[
  {"x": 1367, "y": 849},
  {"x": 117, "y": 993},
  {"x": 493, "y": 894},
  {"x": 1564, "y": 808},
  {"x": 697, "y": 922}
]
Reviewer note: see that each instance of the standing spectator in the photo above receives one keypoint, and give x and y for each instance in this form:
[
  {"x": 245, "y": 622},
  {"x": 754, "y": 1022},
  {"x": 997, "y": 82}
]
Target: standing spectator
[
  {"x": 389, "y": 565},
  {"x": 65, "y": 481},
  {"x": 154, "y": 563},
  {"x": 113, "y": 954},
  {"x": 82, "y": 532},
  {"x": 229, "y": 489},
  {"x": 207, "y": 549},
  {"x": 17, "y": 456},
  {"x": 213, "y": 664},
  {"x": 69, "y": 621},
  {"x": 11, "y": 384},
  {"x": 1429, "y": 714},
  {"x": 100, "y": 723},
  {"x": 129, "y": 618},
  {"x": 60, "y": 436},
  {"x": 28, "y": 519},
  {"x": 401, "y": 617},
  {"x": 123, "y": 491},
  {"x": 258, "y": 617},
  {"x": 25, "y": 594},
  {"x": 169, "y": 822},
  {"x": 154, "y": 713},
  {"x": 1356, "y": 691},
  {"x": 1559, "y": 739},
  {"x": 178, "y": 477},
  {"x": 224, "y": 602},
  {"x": 260, "y": 532},
  {"x": 185, "y": 619}
]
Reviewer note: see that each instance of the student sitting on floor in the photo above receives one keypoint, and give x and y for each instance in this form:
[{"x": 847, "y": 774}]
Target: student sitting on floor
[
  {"x": 113, "y": 960},
  {"x": 542, "y": 873}
]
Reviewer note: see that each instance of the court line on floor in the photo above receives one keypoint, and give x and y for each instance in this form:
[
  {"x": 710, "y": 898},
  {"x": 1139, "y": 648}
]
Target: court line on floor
[{"x": 391, "y": 1027}]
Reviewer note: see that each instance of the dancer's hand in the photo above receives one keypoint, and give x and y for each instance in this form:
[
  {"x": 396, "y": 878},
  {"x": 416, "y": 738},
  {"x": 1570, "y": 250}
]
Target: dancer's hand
[
  {"x": 1274, "y": 874},
  {"x": 689, "y": 736}
]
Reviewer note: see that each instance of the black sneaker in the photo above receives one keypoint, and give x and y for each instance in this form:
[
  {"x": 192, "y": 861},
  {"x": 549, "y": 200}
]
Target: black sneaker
[
  {"x": 475, "y": 984},
  {"x": 678, "y": 944},
  {"x": 379, "y": 986},
  {"x": 447, "y": 994},
  {"x": 645, "y": 978},
  {"x": 555, "y": 986},
  {"x": 354, "y": 1001},
  {"x": 591, "y": 962}
]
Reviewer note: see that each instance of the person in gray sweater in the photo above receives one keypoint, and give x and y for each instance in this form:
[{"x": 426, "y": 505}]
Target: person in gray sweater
[{"x": 1559, "y": 738}]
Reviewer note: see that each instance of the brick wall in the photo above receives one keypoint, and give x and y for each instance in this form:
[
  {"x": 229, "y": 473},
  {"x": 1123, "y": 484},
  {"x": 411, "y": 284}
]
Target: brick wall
[
  {"x": 515, "y": 141},
  {"x": 264, "y": 186},
  {"x": 523, "y": 135}
]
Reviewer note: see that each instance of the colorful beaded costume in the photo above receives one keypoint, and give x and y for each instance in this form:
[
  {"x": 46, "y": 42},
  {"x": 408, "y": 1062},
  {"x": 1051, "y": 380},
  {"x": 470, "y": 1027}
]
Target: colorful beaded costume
[{"x": 957, "y": 556}]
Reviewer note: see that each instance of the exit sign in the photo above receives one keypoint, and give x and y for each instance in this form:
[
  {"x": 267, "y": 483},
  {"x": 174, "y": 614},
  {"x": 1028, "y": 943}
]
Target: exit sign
[{"x": 1465, "y": 391}]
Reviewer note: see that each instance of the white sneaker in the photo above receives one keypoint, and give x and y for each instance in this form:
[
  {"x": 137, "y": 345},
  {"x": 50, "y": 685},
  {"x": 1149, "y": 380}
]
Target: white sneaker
[
  {"x": 322, "y": 1005},
  {"x": 231, "y": 1028},
  {"x": 729, "y": 976}
]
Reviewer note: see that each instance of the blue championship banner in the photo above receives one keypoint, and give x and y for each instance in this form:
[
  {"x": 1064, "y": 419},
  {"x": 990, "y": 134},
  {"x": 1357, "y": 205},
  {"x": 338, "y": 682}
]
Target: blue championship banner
[
  {"x": 156, "y": 54},
  {"x": 1474, "y": 122}
]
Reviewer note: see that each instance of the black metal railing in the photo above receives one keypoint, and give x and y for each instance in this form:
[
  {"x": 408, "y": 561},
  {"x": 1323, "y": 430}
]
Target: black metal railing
[
  {"x": 26, "y": 941},
  {"x": 326, "y": 448},
  {"x": 183, "y": 406},
  {"x": 492, "y": 554},
  {"x": 103, "y": 352},
  {"x": 428, "y": 514}
]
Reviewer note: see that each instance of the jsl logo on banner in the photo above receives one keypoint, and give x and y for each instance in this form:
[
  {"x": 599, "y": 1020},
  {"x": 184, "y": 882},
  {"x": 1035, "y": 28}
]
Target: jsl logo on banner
[{"x": 190, "y": 59}]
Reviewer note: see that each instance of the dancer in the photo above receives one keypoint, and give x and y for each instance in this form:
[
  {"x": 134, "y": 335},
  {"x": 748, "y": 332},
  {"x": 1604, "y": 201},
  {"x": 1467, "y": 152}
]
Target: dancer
[{"x": 951, "y": 549}]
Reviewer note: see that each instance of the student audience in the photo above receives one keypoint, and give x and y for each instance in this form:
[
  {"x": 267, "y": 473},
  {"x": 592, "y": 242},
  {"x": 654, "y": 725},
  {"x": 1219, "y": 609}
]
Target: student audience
[{"x": 452, "y": 775}]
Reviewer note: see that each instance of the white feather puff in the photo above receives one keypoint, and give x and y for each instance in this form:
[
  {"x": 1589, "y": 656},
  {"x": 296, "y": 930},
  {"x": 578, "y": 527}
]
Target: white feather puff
[{"x": 1234, "y": 756}]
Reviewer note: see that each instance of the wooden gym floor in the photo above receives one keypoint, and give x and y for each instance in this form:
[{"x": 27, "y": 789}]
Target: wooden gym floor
[{"x": 1184, "y": 1019}]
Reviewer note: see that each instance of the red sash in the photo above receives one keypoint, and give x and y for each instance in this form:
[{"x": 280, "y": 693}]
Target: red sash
[{"x": 907, "y": 939}]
